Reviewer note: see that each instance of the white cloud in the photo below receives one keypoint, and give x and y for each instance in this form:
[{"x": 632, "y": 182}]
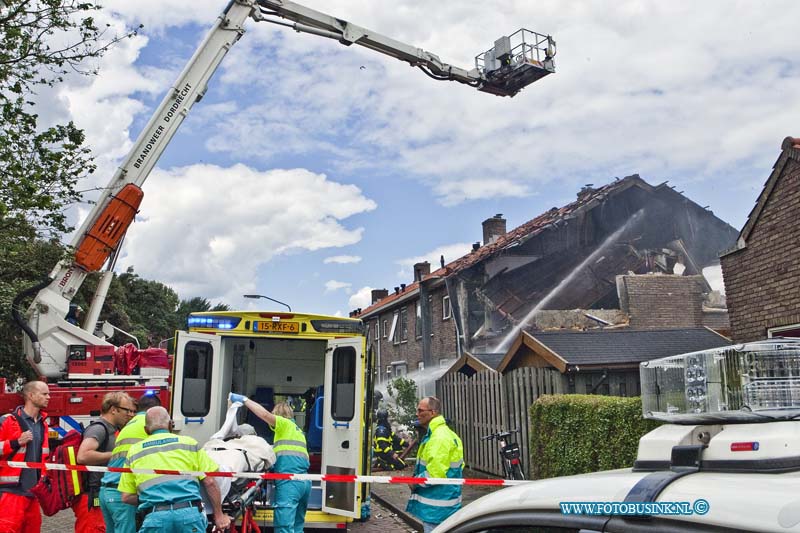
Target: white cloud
[
  {"x": 333, "y": 285},
  {"x": 206, "y": 227},
  {"x": 342, "y": 259},
  {"x": 451, "y": 252},
  {"x": 627, "y": 96},
  {"x": 361, "y": 298}
]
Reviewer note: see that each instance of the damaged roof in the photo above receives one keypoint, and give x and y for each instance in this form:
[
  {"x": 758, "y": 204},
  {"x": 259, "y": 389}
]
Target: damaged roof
[{"x": 588, "y": 198}]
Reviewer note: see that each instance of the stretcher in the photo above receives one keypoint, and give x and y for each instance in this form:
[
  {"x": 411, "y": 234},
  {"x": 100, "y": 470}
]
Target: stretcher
[{"x": 236, "y": 448}]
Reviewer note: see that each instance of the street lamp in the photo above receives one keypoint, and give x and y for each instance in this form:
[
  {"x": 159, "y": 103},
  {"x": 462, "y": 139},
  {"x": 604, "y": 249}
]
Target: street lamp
[{"x": 257, "y": 296}]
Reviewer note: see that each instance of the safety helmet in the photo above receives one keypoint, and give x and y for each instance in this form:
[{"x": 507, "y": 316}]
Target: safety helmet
[{"x": 382, "y": 415}]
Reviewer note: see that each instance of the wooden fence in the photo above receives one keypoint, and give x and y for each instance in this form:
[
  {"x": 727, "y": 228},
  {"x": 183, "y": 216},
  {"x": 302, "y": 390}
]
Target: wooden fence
[{"x": 489, "y": 402}]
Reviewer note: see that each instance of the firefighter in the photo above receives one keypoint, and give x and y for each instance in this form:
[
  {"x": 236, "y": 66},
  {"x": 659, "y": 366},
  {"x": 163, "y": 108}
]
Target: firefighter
[
  {"x": 23, "y": 437},
  {"x": 387, "y": 445},
  {"x": 291, "y": 496},
  {"x": 118, "y": 516},
  {"x": 170, "y": 503}
]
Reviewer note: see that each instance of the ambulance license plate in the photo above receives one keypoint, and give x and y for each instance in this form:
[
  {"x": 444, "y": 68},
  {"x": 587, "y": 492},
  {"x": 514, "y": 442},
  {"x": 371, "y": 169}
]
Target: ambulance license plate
[{"x": 278, "y": 327}]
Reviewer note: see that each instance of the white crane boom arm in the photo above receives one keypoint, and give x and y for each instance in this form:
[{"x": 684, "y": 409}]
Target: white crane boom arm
[{"x": 503, "y": 70}]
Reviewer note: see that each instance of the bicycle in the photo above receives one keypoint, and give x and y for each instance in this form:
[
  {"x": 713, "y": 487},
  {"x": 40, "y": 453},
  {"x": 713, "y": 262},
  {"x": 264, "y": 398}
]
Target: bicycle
[{"x": 509, "y": 453}]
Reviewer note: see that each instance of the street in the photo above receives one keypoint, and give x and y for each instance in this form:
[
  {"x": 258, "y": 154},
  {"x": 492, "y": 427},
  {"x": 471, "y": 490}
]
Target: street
[{"x": 382, "y": 520}]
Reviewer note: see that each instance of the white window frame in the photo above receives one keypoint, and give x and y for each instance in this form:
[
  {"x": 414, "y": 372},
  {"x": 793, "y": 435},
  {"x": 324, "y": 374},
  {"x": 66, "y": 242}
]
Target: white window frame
[
  {"x": 776, "y": 331},
  {"x": 447, "y": 311},
  {"x": 418, "y": 320},
  {"x": 393, "y": 332},
  {"x": 421, "y": 366},
  {"x": 404, "y": 317},
  {"x": 385, "y": 328}
]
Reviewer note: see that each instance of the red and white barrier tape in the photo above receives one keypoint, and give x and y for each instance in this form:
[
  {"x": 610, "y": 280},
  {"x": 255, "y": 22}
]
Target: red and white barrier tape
[{"x": 331, "y": 478}]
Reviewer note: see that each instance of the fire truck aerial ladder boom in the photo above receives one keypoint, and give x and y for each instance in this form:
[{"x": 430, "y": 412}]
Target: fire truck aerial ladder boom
[{"x": 514, "y": 62}]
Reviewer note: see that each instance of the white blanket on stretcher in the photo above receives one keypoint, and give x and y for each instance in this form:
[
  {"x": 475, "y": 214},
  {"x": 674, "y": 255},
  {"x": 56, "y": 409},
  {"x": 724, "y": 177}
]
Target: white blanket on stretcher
[{"x": 242, "y": 453}]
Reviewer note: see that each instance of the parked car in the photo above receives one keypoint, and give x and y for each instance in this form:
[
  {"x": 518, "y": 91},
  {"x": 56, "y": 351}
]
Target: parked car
[{"x": 728, "y": 461}]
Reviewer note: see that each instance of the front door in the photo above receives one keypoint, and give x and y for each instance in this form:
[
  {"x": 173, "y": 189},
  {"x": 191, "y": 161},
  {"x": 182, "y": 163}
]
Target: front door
[
  {"x": 197, "y": 385},
  {"x": 342, "y": 419}
]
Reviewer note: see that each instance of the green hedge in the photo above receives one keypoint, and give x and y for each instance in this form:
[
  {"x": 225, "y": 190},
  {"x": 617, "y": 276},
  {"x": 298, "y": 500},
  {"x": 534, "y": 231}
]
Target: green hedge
[{"x": 578, "y": 433}]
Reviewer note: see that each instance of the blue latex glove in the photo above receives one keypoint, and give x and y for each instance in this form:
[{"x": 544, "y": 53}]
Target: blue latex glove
[{"x": 241, "y": 398}]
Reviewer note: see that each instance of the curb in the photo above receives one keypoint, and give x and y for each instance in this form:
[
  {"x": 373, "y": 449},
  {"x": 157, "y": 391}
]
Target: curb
[{"x": 407, "y": 518}]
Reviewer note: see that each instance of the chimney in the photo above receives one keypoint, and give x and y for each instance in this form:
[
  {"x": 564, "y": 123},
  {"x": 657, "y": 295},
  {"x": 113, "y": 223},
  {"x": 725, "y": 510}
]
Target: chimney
[
  {"x": 378, "y": 295},
  {"x": 475, "y": 246},
  {"x": 397, "y": 290},
  {"x": 421, "y": 270},
  {"x": 493, "y": 228},
  {"x": 402, "y": 287}
]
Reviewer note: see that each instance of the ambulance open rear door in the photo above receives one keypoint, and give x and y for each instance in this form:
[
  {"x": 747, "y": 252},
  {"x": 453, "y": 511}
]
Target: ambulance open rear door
[
  {"x": 342, "y": 420},
  {"x": 198, "y": 385}
]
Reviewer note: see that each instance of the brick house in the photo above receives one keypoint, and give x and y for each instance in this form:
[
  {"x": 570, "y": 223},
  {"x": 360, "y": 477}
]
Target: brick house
[
  {"x": 469, "y": 304},
  {"x": 412, "y": 328},
  {"x": 762, "y": 271}
]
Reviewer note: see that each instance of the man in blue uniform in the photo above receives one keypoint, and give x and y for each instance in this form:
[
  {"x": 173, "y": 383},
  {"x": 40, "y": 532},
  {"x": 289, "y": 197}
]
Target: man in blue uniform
[
  {"x": 291, "y": 497},
  {"x": 169, "y": 502}
]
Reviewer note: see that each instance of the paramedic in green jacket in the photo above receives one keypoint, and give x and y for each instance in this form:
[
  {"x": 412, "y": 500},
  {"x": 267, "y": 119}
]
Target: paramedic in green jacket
[
  {"x": 440, "y": 455},
  {"x": 121, "y": 517},
  {"x": 291, "y": 497}
]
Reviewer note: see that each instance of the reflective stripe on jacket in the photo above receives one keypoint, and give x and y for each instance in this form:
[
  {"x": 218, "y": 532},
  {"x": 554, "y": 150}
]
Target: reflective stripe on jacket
[
  {"x": 290, "y": 447},
  {"x": 440, "y": 455},
  {"x": 165, "y": 451},
  {"x": 10, "y": 431},
  {"x": 132, "y": 433}
]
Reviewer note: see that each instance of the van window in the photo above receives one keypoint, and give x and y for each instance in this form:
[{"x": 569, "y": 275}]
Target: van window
[
  {"x": 196, "y": 395},
  {"x": 343, "y": 406}
]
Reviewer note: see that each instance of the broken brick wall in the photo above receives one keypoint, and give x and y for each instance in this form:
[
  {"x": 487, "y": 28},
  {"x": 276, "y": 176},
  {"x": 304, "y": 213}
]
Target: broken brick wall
[{"x": 662, "y": 300}]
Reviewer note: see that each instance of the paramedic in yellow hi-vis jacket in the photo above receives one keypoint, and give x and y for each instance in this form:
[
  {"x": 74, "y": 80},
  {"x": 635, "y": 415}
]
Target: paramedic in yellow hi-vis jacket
[
  {"x": 291, "y": 497},
  {"x": 440, "y": 455},
  {"x": 170, "y": 502},
  {"x": 121, "y": 517}
]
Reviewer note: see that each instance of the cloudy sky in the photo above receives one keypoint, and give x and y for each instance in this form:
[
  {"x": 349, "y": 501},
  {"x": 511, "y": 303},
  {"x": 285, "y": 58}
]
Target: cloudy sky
[{"x": 312, "y": 172}]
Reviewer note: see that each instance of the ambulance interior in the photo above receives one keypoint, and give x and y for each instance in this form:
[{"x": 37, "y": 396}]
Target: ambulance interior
[{"x": 269, "y": 371}]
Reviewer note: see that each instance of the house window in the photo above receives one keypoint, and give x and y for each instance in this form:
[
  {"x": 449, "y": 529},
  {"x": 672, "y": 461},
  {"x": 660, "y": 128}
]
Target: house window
[
  {"x": 400, "y": 369},
  {"x": 403, "y": 324},
  {"x": 418, "y": 321},
  {"x": 385, "y": 328},
  {"x": 393, "y": 333},
  {"x": 784, "y": 331},
  {"x": 446, "y": 311},
  {"x": 389, "y": 372},
  {"x": 366, "y": 333},
  {"x": 421, "y": 366},
  {"x": 430, "y": 313},
  {"x": 377, "y": 330}
]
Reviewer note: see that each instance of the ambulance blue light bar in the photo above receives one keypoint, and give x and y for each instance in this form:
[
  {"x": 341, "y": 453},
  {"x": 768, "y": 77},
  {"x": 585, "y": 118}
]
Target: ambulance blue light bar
[
  {"x": 213, "y": 322},
  {"x": 752, "y": 382}
]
